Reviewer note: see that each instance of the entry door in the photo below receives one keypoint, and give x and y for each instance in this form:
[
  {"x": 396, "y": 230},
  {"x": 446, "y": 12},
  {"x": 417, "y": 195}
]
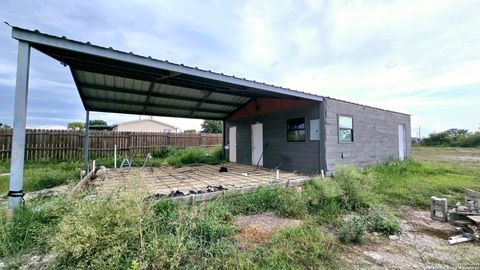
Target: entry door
[
  {"x": 257, "y": 144},
  {"x": 401, "y": 142},
  {"x": 232, "y": 147}
]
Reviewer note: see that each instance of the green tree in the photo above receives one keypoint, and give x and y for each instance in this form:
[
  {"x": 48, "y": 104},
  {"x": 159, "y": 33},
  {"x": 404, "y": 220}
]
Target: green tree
[
  {"x": 212, "y": 126},
  {"x": 2, "y": 125},
  {"x": 190, "y": 131},
  {"x": 97, "y": 122},
  {"x": 76, "y": 125}
]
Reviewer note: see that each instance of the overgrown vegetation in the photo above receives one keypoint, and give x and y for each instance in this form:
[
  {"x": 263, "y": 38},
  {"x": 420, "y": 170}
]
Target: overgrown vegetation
[
  {"x": 412, "y": 182},
  {"x": 31, "y": 228},
  {"x": 453, "y": 137},
  {"x": 125, "y": 231},
  {"x": 188, "y": 156}
]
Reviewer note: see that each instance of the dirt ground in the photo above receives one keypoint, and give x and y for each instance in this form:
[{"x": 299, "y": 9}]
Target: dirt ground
[
  {"x": 257, "y": 229},
  {"x": 421, "y": 245}
]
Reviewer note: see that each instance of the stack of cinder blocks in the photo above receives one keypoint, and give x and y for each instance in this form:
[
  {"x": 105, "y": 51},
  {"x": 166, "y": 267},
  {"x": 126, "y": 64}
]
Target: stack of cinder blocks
[
  {"x": 439, "y": 206},
  {"x": 472, "y": 200}
]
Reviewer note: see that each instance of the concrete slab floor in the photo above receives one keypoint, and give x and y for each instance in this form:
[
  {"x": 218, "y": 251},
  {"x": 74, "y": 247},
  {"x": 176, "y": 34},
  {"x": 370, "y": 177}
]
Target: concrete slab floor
[{"x": 165, "y": 181}]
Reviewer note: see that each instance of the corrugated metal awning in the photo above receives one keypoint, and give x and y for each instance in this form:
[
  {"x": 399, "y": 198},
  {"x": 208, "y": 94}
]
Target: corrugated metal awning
[{"x": 113, "y": 81}]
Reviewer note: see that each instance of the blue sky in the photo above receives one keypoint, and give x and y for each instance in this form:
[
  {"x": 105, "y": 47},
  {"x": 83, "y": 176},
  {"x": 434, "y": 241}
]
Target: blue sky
[{"x": 417, "y": 57}]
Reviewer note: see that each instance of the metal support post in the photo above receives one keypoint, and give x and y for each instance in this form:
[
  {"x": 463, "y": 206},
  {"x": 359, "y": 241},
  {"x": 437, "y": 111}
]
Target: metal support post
[
  {"x": 85, "y": 141},
  {"x": 15, "y": 194}
]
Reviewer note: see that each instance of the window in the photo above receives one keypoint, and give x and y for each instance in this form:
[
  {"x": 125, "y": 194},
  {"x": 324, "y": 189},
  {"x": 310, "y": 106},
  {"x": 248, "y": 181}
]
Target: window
[
  {"x": 296, "y": 130},
  {"x": 345, "y": 129}
]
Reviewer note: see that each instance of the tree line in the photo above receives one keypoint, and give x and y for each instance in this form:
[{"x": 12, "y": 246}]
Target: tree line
[{"x": 453, "y": 137}]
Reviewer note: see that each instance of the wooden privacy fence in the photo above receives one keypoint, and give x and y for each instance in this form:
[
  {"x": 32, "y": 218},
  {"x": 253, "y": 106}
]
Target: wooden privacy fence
[{"x": 45, "y": 144}]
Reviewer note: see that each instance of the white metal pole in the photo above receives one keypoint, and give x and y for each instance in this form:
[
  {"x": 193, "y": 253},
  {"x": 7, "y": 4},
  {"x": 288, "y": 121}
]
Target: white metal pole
[
  {"x": 15, "y": 194},
  {"x": 115, "y": 156},
  {"x": 85, "y": 141}
]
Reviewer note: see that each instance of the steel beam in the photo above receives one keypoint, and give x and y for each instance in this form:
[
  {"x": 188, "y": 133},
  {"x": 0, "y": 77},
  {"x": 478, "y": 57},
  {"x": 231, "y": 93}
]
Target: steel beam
[
  {"x": 15, "y": 194},
  {"x": 200, "y": 103},
  {"x": 147, "y": 100},
  {"x": 160, "y": 95},
  {"x": 150, "y": 106}
]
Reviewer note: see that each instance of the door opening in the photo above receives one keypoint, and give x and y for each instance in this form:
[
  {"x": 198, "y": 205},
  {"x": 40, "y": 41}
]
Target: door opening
[
  {"x": 232, "y": 144},
  {"x": 257, "y": 144},
  {"x": 401, "y": 142}
]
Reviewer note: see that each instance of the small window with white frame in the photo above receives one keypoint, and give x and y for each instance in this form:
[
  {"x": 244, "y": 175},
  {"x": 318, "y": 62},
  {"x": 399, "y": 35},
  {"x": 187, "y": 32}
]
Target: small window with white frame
[{"x": 345, "y": 129}]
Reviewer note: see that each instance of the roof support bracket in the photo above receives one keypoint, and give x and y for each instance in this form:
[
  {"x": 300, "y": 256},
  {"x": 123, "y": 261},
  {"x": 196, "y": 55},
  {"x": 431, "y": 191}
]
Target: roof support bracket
[
  {"x": 200, "y": 103},
  {"x": 147, "y": 100}
]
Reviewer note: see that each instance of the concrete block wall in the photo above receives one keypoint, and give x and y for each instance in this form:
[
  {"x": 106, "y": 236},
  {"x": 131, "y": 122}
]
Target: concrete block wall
[{"x": 375, "y": 134}]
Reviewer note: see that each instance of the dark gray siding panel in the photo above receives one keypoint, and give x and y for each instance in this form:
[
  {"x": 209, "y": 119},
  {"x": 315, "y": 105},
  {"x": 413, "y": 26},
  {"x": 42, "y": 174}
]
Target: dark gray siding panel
[
  {"x": 375, "y": 134},
  {"x": 303, "y": 157}
]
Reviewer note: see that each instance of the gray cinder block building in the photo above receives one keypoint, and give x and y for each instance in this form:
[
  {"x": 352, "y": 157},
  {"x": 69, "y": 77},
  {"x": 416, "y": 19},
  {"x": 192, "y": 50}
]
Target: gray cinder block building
[
  {"x": 264, "y": 125},
  {"x": 309, "y": 136}
]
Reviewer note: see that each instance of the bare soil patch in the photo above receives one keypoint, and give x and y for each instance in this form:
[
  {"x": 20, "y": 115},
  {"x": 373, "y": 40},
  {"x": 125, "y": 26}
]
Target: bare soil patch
[
  {"x": 257, "y": 229},
  {"x": 421, "y": 245}
]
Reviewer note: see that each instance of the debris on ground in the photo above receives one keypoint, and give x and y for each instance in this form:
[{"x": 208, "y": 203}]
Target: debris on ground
[
  {"x": 470, "y": 207},
  {"x": 466, "y": 215},
  {"x": 393, "y": 237},
  {"x": 421, "y": 245}
]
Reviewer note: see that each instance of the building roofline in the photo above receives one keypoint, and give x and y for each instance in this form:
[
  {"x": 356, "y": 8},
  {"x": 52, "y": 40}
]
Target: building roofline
[
  {"x": 37, "y": 37},
  {"x": 144, "y": 120},
  {"x": 363, "y": 105}
]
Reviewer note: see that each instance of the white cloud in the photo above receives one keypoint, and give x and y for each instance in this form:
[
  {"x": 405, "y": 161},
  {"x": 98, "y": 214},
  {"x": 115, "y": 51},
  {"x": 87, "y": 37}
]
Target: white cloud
[{"x": 403, "y": 55}]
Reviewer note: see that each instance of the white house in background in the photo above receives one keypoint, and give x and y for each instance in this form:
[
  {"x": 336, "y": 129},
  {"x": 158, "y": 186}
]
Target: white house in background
[{"x": 145, "y": 125}]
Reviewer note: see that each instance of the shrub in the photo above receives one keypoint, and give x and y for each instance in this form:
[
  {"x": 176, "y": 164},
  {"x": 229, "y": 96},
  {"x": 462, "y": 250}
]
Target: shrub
[
  {"x": 382, "y": 220},
  {"x": 355, "y": 186},
  {"x": 164, "y": 152},
  {"x": 104, "y": 233},
  {"x": 352, "y": 231},
  {"x": 293, "y": 204},
  {"x": 324, "y": 199}
]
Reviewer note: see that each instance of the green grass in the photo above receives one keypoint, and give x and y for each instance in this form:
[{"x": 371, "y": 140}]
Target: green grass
[
  {"x": 433, "y": 172},
  {"x": 124, "y": 231},
  {"x": 43, "y": 174}
]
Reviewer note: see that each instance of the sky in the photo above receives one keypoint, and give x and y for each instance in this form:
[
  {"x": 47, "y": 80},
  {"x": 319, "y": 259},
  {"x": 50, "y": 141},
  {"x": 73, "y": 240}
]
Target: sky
[{"x": 416, "y": 57}]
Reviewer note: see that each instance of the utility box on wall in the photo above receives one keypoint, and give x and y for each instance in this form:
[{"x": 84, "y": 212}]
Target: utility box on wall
[{"x": 314, "y": 129}]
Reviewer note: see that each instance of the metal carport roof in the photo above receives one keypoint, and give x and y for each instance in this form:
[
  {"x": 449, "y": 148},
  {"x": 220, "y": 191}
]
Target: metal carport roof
[{"x": 109, "y": 80}]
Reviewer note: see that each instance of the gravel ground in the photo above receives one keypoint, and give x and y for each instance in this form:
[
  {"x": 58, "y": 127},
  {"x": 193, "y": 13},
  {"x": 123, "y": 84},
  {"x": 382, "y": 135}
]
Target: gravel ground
[{"x": 421, "y": 245}]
